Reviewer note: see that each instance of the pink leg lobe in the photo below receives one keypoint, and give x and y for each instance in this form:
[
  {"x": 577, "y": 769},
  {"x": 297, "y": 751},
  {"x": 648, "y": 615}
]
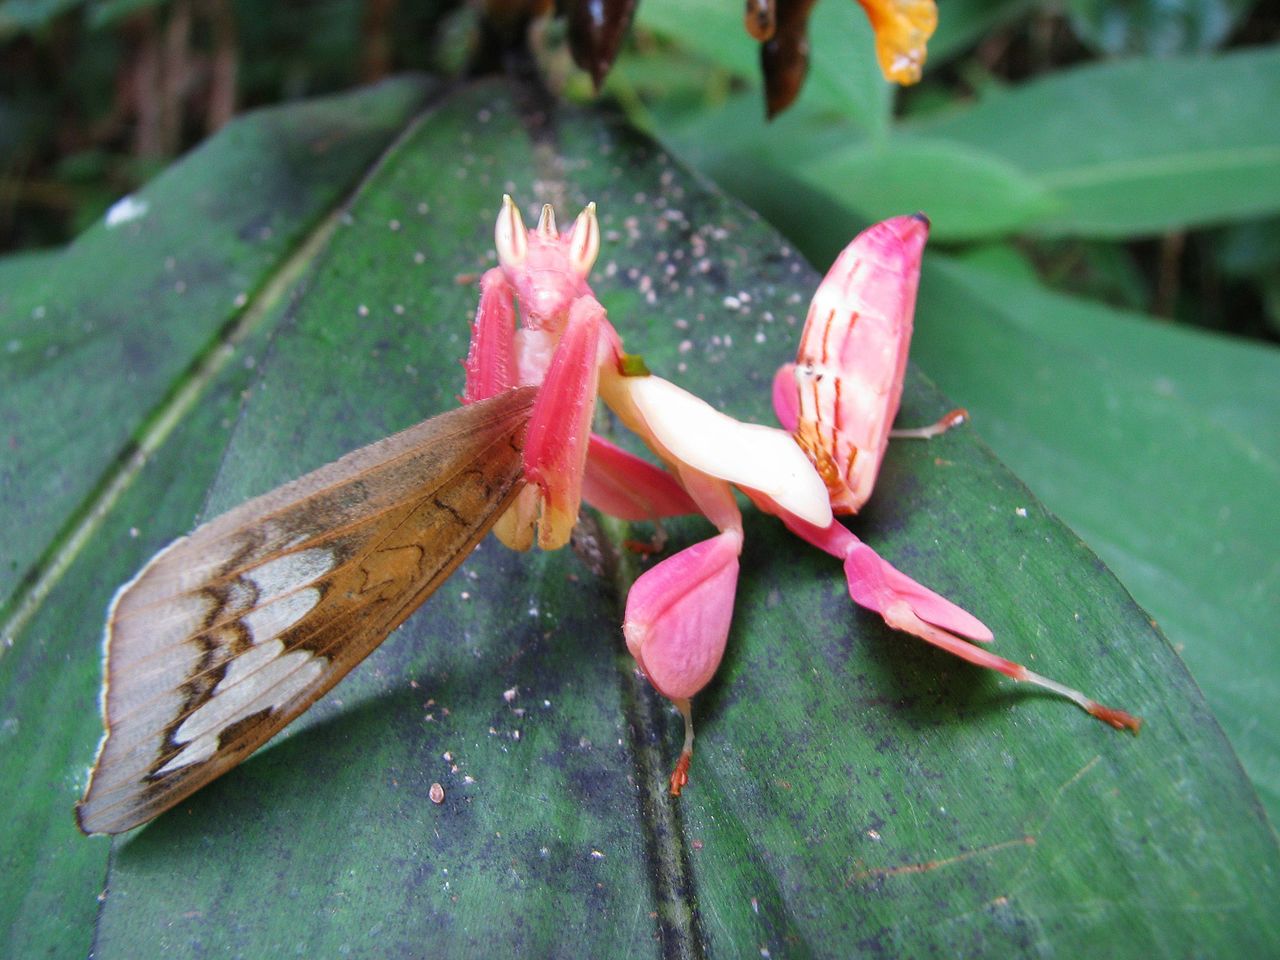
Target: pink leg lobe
[
  {"x": 555, "y": 449},
  {"x": 490, "y": 362},
  {"x": 624, "y": 486}
]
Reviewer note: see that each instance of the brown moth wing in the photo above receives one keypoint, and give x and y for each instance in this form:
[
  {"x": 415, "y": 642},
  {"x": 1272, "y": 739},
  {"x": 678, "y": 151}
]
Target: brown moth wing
[{"x": 230, "y": 632}]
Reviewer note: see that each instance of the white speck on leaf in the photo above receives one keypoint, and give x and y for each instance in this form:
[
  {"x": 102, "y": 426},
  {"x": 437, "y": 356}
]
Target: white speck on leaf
[{"x": 126, "y": 209}]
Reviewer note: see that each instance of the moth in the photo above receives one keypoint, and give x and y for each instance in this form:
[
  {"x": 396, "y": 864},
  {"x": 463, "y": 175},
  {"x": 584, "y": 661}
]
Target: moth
[{"x": 231, "y": 632}]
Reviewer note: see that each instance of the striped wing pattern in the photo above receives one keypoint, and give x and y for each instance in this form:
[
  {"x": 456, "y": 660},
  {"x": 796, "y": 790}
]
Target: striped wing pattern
[{"x": 232, "y": 631}]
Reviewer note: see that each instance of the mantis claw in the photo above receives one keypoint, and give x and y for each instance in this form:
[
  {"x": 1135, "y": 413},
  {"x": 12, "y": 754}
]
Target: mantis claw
[
  {"x": 952, "y": 418},
  {"x": 680, "y": 775}
]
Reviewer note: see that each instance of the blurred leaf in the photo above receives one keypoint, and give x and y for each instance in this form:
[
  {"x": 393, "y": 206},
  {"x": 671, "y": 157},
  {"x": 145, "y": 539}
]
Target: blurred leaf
[
  {"x": 708, "y": 28},
  {"x": 961, "y": 23},
  {"x": 1100, "y": 151},
  {"x": 843, "y": 75},
  {"x": 1251, "y": 252},
  {"x": 1000, "y": 258},
  {"x": 843, "y": 790},
  {"x": 30, "y": 16},
  {"x": 966, "y": 193},
  {"x": 191, "y": 249},
  {"x": 1158, "y": 28},
  {"x": 1159, "y": 444},
  {"x": 1138, "y": 147},
  {"x": 103, "y": 13}
]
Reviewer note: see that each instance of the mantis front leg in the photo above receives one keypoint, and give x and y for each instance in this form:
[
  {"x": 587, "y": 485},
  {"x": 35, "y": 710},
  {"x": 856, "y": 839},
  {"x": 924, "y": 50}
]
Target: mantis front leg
[
  {"x": 490, "y": 363},
  {"x": 555, "y": 451}
]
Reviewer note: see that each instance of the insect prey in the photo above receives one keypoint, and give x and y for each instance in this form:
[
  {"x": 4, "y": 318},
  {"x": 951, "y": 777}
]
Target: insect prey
[{"x": 232, "y": 631}]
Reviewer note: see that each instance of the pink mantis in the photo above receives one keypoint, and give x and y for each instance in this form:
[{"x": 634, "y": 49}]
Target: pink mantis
[{"x": 837, "y": 402}]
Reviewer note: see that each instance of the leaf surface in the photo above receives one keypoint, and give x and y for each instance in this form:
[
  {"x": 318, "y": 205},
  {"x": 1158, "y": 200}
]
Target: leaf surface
[
  {"x": 97, "y": 335},
  {"x": 1138, "y": 146},
  {"x": 854, "y": 792},
  {"x": 1159, "y": 444},
  {"x": 1107, "y": 150}
]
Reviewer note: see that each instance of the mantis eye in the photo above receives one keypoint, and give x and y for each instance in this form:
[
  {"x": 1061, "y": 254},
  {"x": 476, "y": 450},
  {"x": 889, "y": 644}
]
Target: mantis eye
[
  {"x": 510, "y": 236},
  {"x": 547, "y": 223},
  {"x": 584, "y": 241}
]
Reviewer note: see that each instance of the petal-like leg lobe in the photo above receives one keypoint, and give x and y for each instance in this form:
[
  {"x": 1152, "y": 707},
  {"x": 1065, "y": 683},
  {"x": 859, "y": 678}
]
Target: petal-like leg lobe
[
  {"x": 490, "y": 362},
  {"x": 678, "y": 615},
  {"x": 786, "y": 397},
  {"x": 624, "y": 486},
  {"x": 555, "y": 451}
]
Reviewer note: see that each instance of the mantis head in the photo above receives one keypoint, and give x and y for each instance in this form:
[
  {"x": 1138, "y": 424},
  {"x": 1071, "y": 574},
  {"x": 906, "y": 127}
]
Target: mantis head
[{"x": 547, "y": 269}]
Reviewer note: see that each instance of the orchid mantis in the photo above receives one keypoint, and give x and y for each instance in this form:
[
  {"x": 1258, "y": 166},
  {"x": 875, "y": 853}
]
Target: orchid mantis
[
  {"x": 229, "y": 633},
  {"x": 539, "y": 324}
]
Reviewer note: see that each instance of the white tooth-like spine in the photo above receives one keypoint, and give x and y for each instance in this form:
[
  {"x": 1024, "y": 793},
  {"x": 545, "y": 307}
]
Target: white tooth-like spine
[
  {"x": 584, "y": 243},
  {"x": 547, "y": 223},
  {"x": 510, "y": 236}
]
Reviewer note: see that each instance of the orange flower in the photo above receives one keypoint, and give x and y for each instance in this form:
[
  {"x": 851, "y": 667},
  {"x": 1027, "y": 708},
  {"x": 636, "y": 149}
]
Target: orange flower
[{"x": 902, "y": 27}]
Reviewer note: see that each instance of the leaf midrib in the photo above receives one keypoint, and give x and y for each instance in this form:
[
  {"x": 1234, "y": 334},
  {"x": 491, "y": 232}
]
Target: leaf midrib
[
  {"x": 1175, "y": 164},
  {"x": 158, "y": 426}
]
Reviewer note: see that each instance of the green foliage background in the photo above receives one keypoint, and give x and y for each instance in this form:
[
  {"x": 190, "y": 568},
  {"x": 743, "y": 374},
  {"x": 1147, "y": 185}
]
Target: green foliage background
[{"x": 289, "y": 292}]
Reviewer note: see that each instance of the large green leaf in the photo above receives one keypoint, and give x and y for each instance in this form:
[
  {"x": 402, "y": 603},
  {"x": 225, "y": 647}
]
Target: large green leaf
[
  {"x": 854, "y": 792},
  {"x": 101, "y": 340},
  {"x": 96, "y": 336},
  {"x": 1160, "y": 445},
  {"x": 1139, "y": 146},
  {"x": 967, "y": 192},
  {"x": 1105, "y": 150}
]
